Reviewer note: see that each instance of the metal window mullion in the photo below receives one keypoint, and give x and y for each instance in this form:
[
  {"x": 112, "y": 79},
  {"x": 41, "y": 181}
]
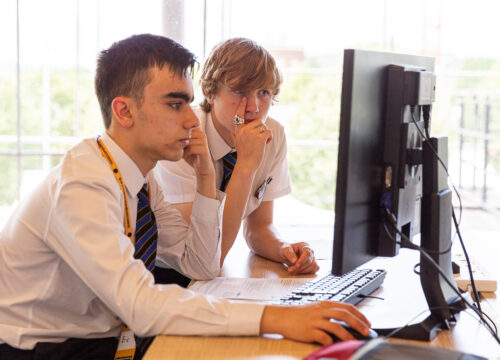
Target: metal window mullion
[
  {"x": 204, "y": 30},
  {"x": 77, "y": 126},
  {"x": 19, "y": 125}
]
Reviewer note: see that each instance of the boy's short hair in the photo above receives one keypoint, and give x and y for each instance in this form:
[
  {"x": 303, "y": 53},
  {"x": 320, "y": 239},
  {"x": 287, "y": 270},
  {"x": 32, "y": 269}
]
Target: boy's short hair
[
  {"x": 242, "y": 65},
  {"x": 124, "y": 68}
]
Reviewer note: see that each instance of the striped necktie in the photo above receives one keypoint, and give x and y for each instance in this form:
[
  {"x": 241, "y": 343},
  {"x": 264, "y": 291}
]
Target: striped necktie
[
  {"x": 146, "y": 232},
  {"x": 228, "y": 161}
]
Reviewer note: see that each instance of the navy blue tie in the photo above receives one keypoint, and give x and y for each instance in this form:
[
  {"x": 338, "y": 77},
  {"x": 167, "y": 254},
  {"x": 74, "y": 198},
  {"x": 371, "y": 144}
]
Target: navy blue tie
[
  {"x": 228, "y": 161},
  {"x": 146, "y": 232}
]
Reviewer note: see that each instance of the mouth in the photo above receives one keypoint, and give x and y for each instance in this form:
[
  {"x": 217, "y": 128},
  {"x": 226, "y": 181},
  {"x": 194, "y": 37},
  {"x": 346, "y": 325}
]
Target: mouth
[{"x": 185, "y": 141}]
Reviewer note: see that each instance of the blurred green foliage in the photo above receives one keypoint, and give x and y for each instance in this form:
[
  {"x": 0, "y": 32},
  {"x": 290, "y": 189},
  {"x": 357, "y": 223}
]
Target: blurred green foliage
[
  {"x": 316, "y": 101},
  {"x": 62, "y": 110},
  {"x": 313, "y": 95}
]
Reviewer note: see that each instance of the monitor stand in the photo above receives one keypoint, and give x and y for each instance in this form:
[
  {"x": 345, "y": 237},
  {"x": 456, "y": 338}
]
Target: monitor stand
[{"x": 435, "y": 229}]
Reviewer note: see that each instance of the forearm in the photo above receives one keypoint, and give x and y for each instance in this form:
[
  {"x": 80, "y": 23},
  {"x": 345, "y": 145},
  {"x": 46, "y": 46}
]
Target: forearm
[
  {"x": 264, "y": 240},
  {"x": 236, "y": 200},
  {"x": 192, "y": 249},
  {"x": 205, "y": 185}
]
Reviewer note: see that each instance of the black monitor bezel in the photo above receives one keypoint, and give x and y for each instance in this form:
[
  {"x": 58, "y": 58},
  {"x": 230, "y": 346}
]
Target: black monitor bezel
[{"x": 360, "y": 157}]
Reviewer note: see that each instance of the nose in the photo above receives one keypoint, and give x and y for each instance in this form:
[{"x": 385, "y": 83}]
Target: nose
[
  {"x": 190, "y": 120},
  {"x": 252, "y": 103}
]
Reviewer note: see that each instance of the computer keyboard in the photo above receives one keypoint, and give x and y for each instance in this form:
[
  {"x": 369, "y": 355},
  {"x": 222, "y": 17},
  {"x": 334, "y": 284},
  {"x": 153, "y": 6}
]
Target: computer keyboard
[{"x": 351, "y": 288}]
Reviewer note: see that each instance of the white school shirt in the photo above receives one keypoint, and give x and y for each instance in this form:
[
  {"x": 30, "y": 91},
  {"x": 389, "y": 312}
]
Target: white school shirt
[
  {"x": 67, "y": 269},
  {"x": 178, "y": 179}
]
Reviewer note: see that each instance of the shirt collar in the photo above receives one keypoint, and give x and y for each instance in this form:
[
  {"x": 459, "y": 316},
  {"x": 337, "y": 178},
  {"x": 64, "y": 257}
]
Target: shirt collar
[
  {"x": 216, "y": 144},
  {"x": 131, "y": 175}
]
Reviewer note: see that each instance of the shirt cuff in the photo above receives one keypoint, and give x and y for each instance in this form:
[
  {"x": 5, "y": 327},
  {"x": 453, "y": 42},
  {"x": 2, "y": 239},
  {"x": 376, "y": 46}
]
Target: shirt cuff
[
  {"x": 208, "y": 210},
  {"x": 245, "y": 318}
]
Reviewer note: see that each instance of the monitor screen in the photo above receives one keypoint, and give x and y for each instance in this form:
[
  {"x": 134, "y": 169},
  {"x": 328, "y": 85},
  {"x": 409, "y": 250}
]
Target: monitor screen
[{"x": 376, "y": 136}]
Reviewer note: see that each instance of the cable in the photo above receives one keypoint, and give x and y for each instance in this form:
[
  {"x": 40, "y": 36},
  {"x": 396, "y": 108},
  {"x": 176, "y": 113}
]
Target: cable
[
  {"x": 395, "y": 224},
  {"x": 410, "y": 245},
  {"x": 441, "y": 162},
  {"x": 395, "y": 331},
  {"x": 491, "y": 327},
  {"x": 455, "y": 222},
  {"x": 469, "y": 267}
]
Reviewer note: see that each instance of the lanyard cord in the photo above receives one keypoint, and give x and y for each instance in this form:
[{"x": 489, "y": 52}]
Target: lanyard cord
[
  {"x": 118, "y": 176},
  {"x": 126, "y": 342}
]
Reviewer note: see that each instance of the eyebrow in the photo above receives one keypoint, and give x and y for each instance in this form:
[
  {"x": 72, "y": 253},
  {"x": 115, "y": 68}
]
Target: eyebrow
[{"x": 180, "y": 95}]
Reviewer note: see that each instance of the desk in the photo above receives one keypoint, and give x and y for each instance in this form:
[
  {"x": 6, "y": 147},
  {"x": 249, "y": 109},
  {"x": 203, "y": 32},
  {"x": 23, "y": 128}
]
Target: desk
[{"x": 403, "y": 300}]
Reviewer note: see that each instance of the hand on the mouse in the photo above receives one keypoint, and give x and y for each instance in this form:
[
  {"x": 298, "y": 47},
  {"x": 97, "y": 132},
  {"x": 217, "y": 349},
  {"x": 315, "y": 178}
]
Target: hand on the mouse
[{"x": 311, "y": 322}]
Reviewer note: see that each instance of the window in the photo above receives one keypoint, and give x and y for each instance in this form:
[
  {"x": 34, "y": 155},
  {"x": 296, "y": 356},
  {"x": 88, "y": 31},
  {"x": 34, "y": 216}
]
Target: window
[
  {"x": 46, "y": 80},
  {"x": 48, "y": 58}
]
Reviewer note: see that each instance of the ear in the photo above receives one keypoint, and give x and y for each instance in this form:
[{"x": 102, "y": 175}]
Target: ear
[
  {"x": 210, "y": 99},
  {"x": 121, "y": 107}
]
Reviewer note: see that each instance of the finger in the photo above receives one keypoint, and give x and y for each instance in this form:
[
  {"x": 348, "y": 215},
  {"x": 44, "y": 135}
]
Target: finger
[
  {"x": 289, "y": 255},
  {"x": 301, "y": 263},
  {"x": 347, "y": 313},
  {"x": 337, "y": 330},
  {"x": 322, "y": 337},
  {"x": 198, "y": 138},
  {"x": 270, "y": 137},
  {"x": 262, "y": 129},
  {"x": 197, "y": 130},
  {"x": 306, "y": 254},
  {"x": 195, "y": 147},
  {"x": 197, "y": 133},
  {"x": 305, "y": 269},
  {"x": 240, "y": 111},
  {"x": 257, "y": 124},
  {"x": 268, "y": 134}
]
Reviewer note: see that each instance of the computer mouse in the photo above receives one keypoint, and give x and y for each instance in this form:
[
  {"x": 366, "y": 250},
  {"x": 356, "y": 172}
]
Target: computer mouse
[{"x": 358, "y": 336}]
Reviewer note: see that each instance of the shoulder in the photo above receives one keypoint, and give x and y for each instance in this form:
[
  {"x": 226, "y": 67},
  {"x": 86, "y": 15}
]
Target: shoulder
[
  {"x": 84, "y": 159},
  {"x": 276, "y": 127},
  {"x": 84, "y": 164},
  {"x": 278, "y": 130}
]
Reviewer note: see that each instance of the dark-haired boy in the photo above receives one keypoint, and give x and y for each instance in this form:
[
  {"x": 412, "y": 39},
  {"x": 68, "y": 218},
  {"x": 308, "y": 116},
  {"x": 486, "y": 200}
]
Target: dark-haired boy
[{"x": 76, "y": 255}]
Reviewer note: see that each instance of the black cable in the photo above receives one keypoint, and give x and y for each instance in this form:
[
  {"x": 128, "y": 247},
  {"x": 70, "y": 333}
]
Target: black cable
[
  {"x": 491, "y": 327},
  {"x": 436, "y": 252},
  {"x": 410, "y": 245},
  {"x": 469, "y": 267},
  {"x": 415, "y": 269},
  {"x": 370, "y": 297},
  {"x": 395, "y": 331},
  {"x": 455, "y": 222},
  {"x": 442, "y": 164}
]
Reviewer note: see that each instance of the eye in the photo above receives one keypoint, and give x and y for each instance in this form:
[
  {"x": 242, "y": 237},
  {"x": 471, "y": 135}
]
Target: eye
[
  {"x": 236, "y": 92},
  {"x": 265, "y": 92},
  {"x": 175, "y": 105}
]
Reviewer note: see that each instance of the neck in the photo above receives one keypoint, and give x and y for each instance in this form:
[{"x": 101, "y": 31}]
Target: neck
[
  {"x": 127, "y": 146},
  {"x": 222, "y": 131}
]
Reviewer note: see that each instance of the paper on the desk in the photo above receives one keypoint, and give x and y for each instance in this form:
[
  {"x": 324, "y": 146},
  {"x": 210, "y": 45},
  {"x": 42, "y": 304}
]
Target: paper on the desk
[{"x": 248, "y": 288}]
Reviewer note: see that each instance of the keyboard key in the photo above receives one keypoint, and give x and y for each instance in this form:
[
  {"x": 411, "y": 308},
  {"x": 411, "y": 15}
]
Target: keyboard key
[{"x": 346, "y": 288}]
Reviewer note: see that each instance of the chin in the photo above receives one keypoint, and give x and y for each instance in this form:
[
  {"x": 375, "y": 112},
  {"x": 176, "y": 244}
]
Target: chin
[{"x": 173, "y": 155}]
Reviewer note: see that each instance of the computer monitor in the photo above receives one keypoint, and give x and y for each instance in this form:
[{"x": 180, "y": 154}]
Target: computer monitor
[
  {"x": 372, "y": 122},
  {"x": 385, "y": 110}
]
